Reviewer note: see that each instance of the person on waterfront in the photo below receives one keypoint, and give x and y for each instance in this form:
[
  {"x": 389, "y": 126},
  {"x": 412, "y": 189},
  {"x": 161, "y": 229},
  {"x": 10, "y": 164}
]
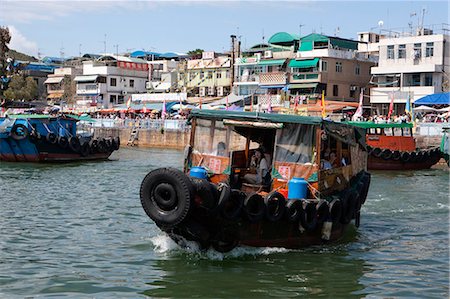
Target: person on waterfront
[{"x": 258, "y": 161}]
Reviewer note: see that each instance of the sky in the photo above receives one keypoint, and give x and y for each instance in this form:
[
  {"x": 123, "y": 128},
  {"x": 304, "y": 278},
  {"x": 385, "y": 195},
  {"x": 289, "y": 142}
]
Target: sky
[{"x": 64, "y": 28}]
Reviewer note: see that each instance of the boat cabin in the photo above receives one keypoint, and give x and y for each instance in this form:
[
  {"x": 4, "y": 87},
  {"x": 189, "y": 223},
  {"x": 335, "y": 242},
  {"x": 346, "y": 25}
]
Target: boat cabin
[{"x": 324, "y": 153}]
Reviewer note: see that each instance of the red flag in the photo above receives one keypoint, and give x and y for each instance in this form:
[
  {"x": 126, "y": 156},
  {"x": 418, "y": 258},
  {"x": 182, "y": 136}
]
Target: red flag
[{"x": 391, "y": 106}]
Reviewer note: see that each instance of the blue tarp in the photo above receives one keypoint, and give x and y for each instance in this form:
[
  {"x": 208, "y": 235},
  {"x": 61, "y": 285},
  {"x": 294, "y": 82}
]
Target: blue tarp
[{"x": 434, "y": 99}]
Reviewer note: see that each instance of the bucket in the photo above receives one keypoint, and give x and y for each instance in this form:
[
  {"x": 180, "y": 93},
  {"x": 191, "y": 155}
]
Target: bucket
[
  {"x": 198, "y": 172},
  {"x": 297, "y": 188}
]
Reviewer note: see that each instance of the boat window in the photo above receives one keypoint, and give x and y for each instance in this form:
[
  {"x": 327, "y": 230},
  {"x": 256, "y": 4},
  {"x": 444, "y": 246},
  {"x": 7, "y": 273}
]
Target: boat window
[
  {"x": 220, "y": 142},
  {"x": 397, "y": 131},
  {"x": 378, "y": 131},
  {"x": 295, "y": 144},
  {"x": 388, "y": 131},
  {"x": 372, "y": 131},
  {"x": 203, "y": 136}
]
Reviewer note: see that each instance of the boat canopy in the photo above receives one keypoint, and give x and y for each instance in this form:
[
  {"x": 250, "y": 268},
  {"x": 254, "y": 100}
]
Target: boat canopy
[{"x": 371, "y": 125}]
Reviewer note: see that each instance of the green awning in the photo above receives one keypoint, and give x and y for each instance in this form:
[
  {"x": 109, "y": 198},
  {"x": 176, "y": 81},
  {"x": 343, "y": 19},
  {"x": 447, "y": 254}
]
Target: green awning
[
  {"x": 307, "y": 63},
  {"x": 272, "y": 62},
  {"x": 369, "y": 125},
  {"x": 303, "y": 85}
]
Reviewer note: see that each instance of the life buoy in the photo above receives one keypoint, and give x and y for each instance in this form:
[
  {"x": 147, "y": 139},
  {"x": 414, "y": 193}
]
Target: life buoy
[
  {"x": 275, "y": 205},
  {"x": 63, "y": 142},
  {"x": 292, "y": 211},
  {"x": 206, "y": 195},
  {"x": 19, "y": 132},
  {"x": 396, "y": 155},
  {"x": 166, "y": 195},
  {"x": 376, "y": 152},
  {"x": 335, "y": 208},
  {"x": 51, "y": 138},
  {"x": 254, "y": 207},
  {"x": 406, "y": 156},
  {"x": 232, "y": 207},
  {"x": 323, "y": 211},
  {"x": 348, "y": 206},
  {"x": 85, "y": 149},
  {"x": 386, "y": 154},
  {"x": 308, "y": 215}
]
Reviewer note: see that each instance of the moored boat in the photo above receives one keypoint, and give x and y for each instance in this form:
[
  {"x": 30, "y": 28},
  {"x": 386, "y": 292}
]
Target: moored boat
[
  {"x": 391, "y": 146},
  {"x": 46, "y": 138},
  {"x": 297, "y": 203}
]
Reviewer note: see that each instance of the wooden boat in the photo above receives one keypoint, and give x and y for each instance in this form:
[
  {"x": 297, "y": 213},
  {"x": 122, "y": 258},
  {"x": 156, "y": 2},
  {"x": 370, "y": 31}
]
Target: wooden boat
[
  {"x": 45, "y": 138},
  {"x": 298, "y": 204}
]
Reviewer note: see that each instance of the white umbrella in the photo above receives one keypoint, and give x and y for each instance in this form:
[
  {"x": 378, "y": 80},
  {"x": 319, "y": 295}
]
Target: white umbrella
[
  {"x": 445, "y": 109},
  {"x": 423, "y": 109}
]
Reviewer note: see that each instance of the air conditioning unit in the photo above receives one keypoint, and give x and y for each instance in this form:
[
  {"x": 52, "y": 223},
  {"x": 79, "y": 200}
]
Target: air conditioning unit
[
  {"x": 220, "y": 91},
  {"x": 267, "y": 54},
  {"x": 354, "y": 88},
  {"x": 202, "y": 91},
  {"x": 258, "y": 56}
]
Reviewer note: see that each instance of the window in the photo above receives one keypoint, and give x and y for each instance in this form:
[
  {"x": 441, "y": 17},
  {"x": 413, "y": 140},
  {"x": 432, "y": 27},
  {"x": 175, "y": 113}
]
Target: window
[
  {"x": 113, "y": 81},
  {"x": 390, "y": 52},
  {"x": 338, "y": 67},
  {"x": 335, "y": 91},
  {"x": 112, "y": 98},
  {"x": 202, "y": 75},
  {"x": 429, "y": 50},
  {"x": 352, "y": 91},
  {"x": 357, "y": 69},
  {"x": 428, "y": 79},
  {"x": 415, "y": 80},
  {"x": 401, "y": 51},
  {"x": 131, "y": 83},
  {"x": 219, "y": 75},
  {"x": 209, "y": 75},
  {"x": 324, "y": 66},
  {"x": 228, "y": 74},
  {"x": 417, "y": 51}
]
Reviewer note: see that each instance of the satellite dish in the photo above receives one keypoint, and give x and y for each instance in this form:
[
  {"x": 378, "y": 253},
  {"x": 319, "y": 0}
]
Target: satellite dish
[{"x": 380, "y": 23}]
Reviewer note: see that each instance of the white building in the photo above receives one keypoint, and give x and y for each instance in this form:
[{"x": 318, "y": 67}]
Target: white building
[
  {"x": 410, "y": 65},
  {"x": 111, "y": 80},
  {"x": 59, "y": 84},
  {"x": 163, "y": 75}
]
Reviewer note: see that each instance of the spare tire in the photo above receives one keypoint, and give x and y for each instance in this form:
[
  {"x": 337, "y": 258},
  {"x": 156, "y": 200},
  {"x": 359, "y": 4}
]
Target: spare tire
[
  {"x": 19, "y": 132},
  {"x": 292, "y": 211},
  {"x": 166, "y": 195},
  {"x": 335, "y": 210},
  {"x": 308, "y": 215},
  {"x": 224, "y": 241},
  {"x": 102, "y": 145},
  {"x": 93, "y": 144},
  {"x": 52, "y": 138},
  {"x": 254, "y": 207},
  {"x": 35, "y": 136},
  {"x": 275, "y": 205},
  {"x": 386, "y": 154}
]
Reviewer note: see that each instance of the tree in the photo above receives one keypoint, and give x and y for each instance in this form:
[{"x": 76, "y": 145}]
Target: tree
[
  {"x": 5, "y": 38},
  {"x": 21, "y": 88},
  {"x": 69, "y": 90},
  {"x": 197, "y": 53}
]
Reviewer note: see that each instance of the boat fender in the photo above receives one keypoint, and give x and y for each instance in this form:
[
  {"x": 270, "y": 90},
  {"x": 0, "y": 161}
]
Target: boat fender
[
  {"x": 19, "y": 132},
  {"x": 292, "y": 211},
  {"x": 326, "y": 230},
  {"x": 369, "y": 149},
  {"x": 275, "y": 206},
  {"x": 93, "y": 144},
  {"x": 232, "y": 207},
  {"x": 335, "y": 207},
  {"x": 63, "y": 142},
  {"x": 420, "y": 156},
  {"x": 323, "y": 211},
  {"x": 194, "y": 231},
  {"x": 406, "y": 157},
  {"x": 308, "y": 215},
  {"x": 396, "y": 155},
  {"x": 116, "y": 142},
  {"x": 108, "y": 145},
  {"x": 102, "y": 145},
  {"x": 348, "y": 206},
  {"x": 85, "y": 149},
  {"x": 52, "y": 138},
  {"x": 365, "y": 190},
  {"x": 224, "y": 191},
  {"x": 207, "y": 196},
  {"x": 386, "y": 154},
  {"x": 413, "y": 156},
  {"x": 376, "y": 152},
  {"x": 224, "y": 242},
  {"x": 166, "y": 195},
  {"x": 35, "y": 136},
  {"x": 74, "y": 144},
  {"x": 254, "y": 207},
  {"x": 426, "y": 155}
]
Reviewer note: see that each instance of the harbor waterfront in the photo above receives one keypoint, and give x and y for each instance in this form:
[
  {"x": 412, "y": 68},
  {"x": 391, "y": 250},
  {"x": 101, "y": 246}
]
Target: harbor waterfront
[{"x": 78, "y": 231}]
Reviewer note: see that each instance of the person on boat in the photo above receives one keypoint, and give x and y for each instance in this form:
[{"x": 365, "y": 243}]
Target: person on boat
[
  {"x": 259, "y": 162},
  {"x": 221, "y": 149},
  {"x": 333, "y": 160}
]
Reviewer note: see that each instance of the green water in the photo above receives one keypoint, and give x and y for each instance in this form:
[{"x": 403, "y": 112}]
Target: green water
[{"x": 78, "y": 231}]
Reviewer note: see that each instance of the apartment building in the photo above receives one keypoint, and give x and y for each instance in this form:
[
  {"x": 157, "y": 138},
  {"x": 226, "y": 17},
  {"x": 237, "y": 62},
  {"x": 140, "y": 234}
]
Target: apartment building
[{"x": 60, "y": 85}]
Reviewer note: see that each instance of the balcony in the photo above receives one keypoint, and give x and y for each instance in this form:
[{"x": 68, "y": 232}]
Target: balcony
[
  {"x": 278, "y": 78},
  {"x": 248, "y": 79},
  {"x": 88, "y": 89},
  {"x": 304, "y": 77}
]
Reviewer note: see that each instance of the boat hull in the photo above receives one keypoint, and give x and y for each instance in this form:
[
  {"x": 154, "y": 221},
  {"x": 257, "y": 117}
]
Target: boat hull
[{"x": 383, "y": 163}]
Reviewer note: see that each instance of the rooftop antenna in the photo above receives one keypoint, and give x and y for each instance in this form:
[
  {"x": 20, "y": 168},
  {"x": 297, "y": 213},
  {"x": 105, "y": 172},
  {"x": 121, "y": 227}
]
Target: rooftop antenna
[
  {"x": 104, "y": 45},
  {"x": 421, "y": 21},
  {"x": 117, "y": 49},
  {"x": 336, "y": 31},
  {"x": 263, "y": 36}
]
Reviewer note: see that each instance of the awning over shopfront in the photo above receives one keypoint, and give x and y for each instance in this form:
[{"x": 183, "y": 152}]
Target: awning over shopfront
[
  {"x": 303, "y": 85},
  {"x": 434, "y": 99},
  {"x": 272, "y": 62},
  {"x": 55, "y": 95},
  {"x": 90, "y": 78},
  {"x": 271, "y": 86},
  {"x": 307, "y": 63},
  {"x": 53, "y": 80}
]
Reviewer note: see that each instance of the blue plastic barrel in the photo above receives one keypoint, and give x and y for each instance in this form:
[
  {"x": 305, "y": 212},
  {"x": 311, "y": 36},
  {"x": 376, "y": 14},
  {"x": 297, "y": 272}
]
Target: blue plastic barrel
[
  {"x": 297, "y": 188},
  {"x": 198, "y": 172}
]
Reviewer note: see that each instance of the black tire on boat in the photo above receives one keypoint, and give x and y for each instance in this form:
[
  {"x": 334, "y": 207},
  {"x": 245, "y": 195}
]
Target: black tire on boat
[
  {"x": 376, "y": 152},
  {"x": 426, "y": 155},
  {"x": 323, "y": 211},
  {"x": 35, "y": 136},
  {"x": 224, "y": 242},
  {"x": 93, "y": 144},
  {"x": 275, "y": 206},
  {"x": 348, "y": 206},
  {"x": 166, "y": 195},
  {"x": 254, "y": 207},
  {"x": 116, "y": 141},
  {"x": 292, "y": 211},
  {"x": 335, "y": 208},
  {"x": 19, "y": 132},
  {"x": 386, "y": 154},
  {"x": 224, "y": 191},
  {"x": 232, "y": 207},
  {"x": 102, "y": 145},
  {"x": 413, "y": 156},
  {"x": 396, "y": 155},
  {"x": 85, "y": 149},
  {"x": 206, "y": 194},
  {"x": 74, "y": 144},
  {"x": 405, "y": 156},
  {"x": 365, "y": 190},
  {"x": 369, "y": 149},
  {"x": 308, "y": 215},
  {"x": 194, "y": 231},
  {"x": 63, "y": 142},
  {"x": 51, "y": 138},
  {"x": 108, "y": 145}
]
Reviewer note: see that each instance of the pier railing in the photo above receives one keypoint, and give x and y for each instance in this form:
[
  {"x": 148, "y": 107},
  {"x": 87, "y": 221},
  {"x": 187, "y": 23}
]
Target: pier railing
[{"x": 144, "y": 124}]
